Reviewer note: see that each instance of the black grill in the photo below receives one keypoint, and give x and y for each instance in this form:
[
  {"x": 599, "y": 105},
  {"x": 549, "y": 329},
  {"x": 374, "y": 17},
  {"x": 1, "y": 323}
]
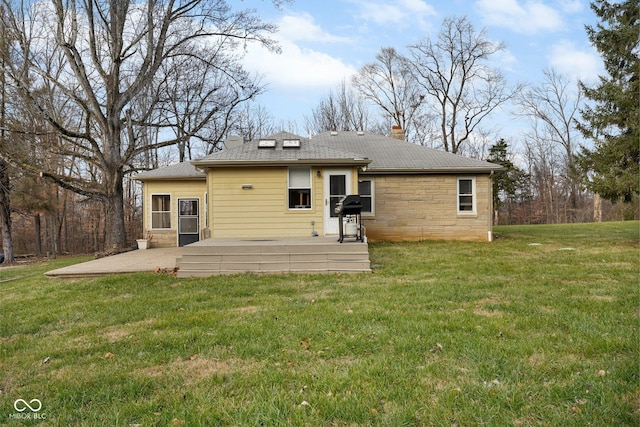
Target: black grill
[
  {"x": 350, "y": 208},
  {"x": 349, "y": 205}
]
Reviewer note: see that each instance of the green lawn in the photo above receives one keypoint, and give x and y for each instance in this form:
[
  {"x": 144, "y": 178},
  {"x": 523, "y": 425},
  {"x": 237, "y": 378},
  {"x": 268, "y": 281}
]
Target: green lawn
[{"x": 539, "y": 327}]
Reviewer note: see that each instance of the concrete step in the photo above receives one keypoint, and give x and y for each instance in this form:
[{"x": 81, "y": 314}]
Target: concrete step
[
  {"x": 272, "y": 249},
  {"x": 229, "y": 257},
  {"x": 331, "y": 265}
]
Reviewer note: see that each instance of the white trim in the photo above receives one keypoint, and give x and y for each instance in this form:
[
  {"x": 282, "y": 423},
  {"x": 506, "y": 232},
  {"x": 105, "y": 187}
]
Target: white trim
[
  {"x": 289, "y": 188},
  {"x": 331, "y": 223},
  {"x": 151, "y": 211},
  {"x": 198, "y": 218},
  {"x": 473, "y": 195},
  {"x": 205, "y": 207},
  {"x": 372, "y": 196}
]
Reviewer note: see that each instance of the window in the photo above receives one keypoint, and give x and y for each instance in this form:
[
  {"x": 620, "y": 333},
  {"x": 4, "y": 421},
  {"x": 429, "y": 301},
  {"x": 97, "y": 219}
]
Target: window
[
  {"x": 365, "y": 190},
  {"x": 160, "y": 211},
  {"x": 299, "y": 188},
  {"x": 466, "y": 195},
  {"x": 188, "y": 216},
  {"x": 337, "y": 190}
]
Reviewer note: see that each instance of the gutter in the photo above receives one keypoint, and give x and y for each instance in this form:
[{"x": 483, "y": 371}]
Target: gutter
[
  {"x": 431, "y": 171},
  {"x": 170, "y": 178},
  {"x": 292, "y": 162}
]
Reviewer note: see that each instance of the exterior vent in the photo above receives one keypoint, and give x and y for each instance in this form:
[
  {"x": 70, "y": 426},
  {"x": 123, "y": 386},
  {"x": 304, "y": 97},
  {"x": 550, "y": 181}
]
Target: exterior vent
[
  {"x": 267, "y": 143},
  {"x": 334, "y": 133},
  {"x": 360, "y": 133},
  {"x": 291, "y": 143}
]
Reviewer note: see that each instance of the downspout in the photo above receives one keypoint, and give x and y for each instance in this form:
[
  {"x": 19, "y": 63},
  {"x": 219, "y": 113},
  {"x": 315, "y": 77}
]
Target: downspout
[
  {"x": 490, "y": 224},
  {"x": 144, "y": 213}
]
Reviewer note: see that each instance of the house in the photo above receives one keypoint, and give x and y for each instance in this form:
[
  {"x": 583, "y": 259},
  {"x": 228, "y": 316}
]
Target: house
[
  {"x": 174, "y": 203},
  {"x": 287, "y": 186}
]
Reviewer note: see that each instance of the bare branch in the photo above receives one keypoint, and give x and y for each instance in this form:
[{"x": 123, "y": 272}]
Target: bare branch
[{"x": 452, "y": 74}]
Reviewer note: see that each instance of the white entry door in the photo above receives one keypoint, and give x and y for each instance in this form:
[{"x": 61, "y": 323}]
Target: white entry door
[{"x": 337, "y": 184}]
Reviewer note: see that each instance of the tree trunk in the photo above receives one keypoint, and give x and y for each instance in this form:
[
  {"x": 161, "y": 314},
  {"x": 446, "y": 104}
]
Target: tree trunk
[
  {"x": 62, "y": 246},
  {"x": 5, "y": 214},
  {"x": 38, "y": 233},
  {"x": 5, "y": 200},
  {"x": 597, "y": 208},
  {"x": 115, "y": 231},
  {"x": 51, "y": 227}
]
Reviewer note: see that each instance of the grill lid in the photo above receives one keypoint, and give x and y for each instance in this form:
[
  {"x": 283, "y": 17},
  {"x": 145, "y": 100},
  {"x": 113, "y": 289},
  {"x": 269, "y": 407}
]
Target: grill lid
[{"x": 349, "y": 205}]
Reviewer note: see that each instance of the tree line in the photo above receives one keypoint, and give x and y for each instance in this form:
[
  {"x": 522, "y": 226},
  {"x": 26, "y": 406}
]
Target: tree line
[
  {"x": 91, "y": 92},
  {"x": 578, "y": 160}
]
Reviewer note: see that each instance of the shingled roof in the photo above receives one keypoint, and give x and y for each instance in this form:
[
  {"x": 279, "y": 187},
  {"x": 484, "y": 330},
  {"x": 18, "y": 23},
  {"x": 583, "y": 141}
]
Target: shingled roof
[
  {"x": 184, "y": 170},
  {"x": 380, "y": 154},
  {"x": 390, "y": 155},
  {"x": 307, "y": 153}
]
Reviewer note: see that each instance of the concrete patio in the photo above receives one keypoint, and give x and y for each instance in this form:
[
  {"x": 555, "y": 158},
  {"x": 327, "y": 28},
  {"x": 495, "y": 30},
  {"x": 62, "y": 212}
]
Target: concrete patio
[{"x": 126, "y": 262}]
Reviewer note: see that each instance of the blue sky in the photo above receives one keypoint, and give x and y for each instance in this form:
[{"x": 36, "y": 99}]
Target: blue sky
[{"x": 326, "y": 41}]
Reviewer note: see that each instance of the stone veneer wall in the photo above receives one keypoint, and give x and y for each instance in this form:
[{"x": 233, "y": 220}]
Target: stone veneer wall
[
  {"x": 424, "y": 207},
  {"x": 164, "y": 239}
]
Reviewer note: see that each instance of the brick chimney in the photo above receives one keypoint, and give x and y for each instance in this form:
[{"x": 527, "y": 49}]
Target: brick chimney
[{"x": 397, "y": 132}]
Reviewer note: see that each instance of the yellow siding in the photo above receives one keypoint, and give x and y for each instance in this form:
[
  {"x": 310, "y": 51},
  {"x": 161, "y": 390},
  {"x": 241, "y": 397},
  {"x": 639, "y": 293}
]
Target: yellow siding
[
  {"x": 177, "y": 190},
  {"x": 261, "y": 211},
  {"x": 416, "y": 207},
  {"x": 407, "y": 207}
]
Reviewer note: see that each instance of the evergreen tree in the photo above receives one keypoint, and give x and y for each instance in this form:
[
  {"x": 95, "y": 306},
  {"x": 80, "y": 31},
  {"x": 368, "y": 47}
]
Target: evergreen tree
[
  {"x": 611, "y": 168},
  {"x": 507, "y": 182}
]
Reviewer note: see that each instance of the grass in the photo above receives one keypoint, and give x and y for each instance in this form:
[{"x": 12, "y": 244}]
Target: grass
[{"x": 539, "y": 327}]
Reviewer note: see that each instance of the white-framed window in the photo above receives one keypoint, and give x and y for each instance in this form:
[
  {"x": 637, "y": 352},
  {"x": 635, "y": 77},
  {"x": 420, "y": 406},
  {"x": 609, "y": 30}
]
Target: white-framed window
[
  {"x": 467, "y": 195},
  {"x": 367, "y": 198},
  {"x": 299, "y": 188},
  {"x": 160, "y": 211}
]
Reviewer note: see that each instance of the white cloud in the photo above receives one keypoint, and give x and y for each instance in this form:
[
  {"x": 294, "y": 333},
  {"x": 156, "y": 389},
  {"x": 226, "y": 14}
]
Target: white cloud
[
  {"x": 302, "y": 27},
  {"x": 417, "y": 8},
  {"x": 572, "y": 6},
  {"x": 299, "y": 66},
  {"x": 577, "y": 64},
  {"x": 505, "y": 60},
  {"x": 398, "y": 12},
  {"x": 531, "y": 17}
]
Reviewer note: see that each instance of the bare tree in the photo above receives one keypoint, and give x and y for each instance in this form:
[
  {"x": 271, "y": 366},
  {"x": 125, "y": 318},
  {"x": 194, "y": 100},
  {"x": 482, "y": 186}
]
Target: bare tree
[
  {"x": 552, "y": 108},
  {"x": 201, "y": 103},
  {"x": 5, "y": 181},
  {"x": 389, "y": 84},
  {"x": 97, "y": 58},
  {"x": 457, "y": 81},
  {"x": 253, "y": 122},
  {"x": 544, "y": 167},
  {"x": 341, "y": 110}
]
